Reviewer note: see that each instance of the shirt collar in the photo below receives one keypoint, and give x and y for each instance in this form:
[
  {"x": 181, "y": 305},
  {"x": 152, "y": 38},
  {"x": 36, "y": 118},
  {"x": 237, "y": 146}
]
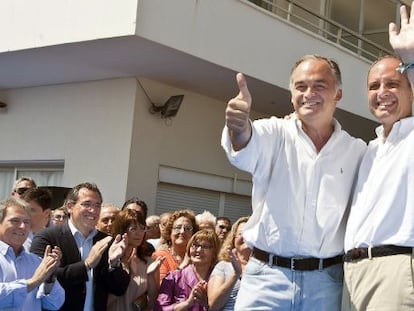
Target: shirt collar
[
  {"x": 76, "y": 232},
  {"x": 6, "y": 249},
  {"x": 399, "y": 128}
]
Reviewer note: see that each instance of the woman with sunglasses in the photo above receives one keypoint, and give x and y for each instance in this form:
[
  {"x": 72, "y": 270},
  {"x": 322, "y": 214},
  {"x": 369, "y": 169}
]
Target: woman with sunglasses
[{"x": 186, "y": 289}]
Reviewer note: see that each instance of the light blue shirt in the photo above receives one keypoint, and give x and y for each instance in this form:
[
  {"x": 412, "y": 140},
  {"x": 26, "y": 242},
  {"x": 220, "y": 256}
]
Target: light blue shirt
[
  {"x": 84, "y": 246},
  {"x": 14, "y": 272},
  {"x": 28, "y": 242}
]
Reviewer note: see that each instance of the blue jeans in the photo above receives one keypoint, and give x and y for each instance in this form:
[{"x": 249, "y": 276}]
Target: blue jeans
[{"x": 274, "y": 288}]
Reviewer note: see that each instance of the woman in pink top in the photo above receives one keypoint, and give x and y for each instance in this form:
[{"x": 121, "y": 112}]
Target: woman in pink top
[{"x": 186, "y": 289}]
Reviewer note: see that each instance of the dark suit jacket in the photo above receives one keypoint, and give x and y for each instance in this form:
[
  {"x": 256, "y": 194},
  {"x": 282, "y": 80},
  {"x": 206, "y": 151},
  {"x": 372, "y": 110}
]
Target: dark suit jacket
[{"x": 72, "y": 273}]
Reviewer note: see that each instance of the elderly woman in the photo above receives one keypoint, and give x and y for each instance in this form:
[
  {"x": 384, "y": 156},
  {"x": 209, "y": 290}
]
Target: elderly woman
[
  {"x": 180, "y": 227},
  {"x": 143, "y": 287},
  {"x": 186, "y": 289},
  {"x": 224, "y": 282}
]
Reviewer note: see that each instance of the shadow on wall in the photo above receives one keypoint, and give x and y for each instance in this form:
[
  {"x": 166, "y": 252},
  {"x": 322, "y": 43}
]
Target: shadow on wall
[{"x": 58, "y": 195}]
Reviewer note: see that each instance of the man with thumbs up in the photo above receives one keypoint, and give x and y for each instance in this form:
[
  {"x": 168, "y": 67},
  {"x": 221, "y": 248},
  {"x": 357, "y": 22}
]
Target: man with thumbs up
[{"x": 303, "y": 170}]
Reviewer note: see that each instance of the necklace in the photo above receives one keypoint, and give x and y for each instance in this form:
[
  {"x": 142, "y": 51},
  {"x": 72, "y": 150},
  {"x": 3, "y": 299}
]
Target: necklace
[{"x": 175, "y": 256}]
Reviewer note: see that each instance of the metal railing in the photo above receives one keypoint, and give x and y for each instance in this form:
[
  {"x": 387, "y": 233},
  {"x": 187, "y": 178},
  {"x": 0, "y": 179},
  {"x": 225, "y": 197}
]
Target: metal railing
[{"x": 335, "y": 32}]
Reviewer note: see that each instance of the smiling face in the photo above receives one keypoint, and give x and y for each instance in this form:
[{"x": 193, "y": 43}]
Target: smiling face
[
  {"x": 389, "y": 93},
  {"x": 239, "y": 243},
  {"x": 201, "y": 252},
  {"x": 85, "y": 211},
  {"x": 181, "y": 232},
  {"x": 15, "y": 227},
  {"x": 314, "y": 91}
]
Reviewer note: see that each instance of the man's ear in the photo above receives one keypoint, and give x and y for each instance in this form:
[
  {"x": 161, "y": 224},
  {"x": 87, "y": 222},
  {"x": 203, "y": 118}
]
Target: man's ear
[{"x": 338, "y": 95}]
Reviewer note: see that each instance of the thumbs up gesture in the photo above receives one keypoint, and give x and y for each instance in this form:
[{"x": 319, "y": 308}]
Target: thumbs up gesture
[{"x": 238, "y": 113}]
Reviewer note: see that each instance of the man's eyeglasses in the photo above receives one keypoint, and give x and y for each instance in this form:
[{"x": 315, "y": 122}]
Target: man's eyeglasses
[
  {"x": 178, "y": 229},
  {"x": 21, "y": 190},
  {"x": 196, "y": 246},
  {"x": 89, "y": 205}
]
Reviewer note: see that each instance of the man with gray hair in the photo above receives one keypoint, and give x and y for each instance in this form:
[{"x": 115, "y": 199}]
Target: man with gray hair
[{"x": 303, "y": 170}]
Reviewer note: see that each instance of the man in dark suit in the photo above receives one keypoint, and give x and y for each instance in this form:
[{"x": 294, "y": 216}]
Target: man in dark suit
[{"x": 89, "y": 267}]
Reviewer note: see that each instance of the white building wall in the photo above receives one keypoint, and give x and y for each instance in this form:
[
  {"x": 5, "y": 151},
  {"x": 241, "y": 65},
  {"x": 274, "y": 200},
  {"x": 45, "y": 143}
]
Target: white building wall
[
  {"x": 50, "y": 22},
  {"x": 88, "y": 125},
  {"x": 105, "y": 134},
  {"x": 190, "y": 141}
]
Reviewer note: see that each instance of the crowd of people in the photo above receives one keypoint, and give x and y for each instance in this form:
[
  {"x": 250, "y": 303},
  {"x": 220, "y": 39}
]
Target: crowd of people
[
  {"x": 98, "y": 256},
  {"x": 331, "y": 226}
]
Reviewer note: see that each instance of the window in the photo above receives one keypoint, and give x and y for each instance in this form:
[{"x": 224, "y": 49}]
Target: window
[
  {"x": 44, "y": 173},
  {"x": 172, "y": 197}
]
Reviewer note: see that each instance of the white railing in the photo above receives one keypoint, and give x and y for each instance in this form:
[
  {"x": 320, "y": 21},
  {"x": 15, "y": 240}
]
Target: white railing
[{"x": 323, "y": 26}]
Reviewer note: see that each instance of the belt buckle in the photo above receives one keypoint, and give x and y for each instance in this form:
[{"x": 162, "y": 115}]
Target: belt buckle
[
  {"x": 292, "y": 262},
  {"x": 356, "y": 253}
]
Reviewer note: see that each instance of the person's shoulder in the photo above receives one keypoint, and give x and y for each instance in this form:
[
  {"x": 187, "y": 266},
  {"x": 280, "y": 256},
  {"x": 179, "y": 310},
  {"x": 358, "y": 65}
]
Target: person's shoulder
[
  {"x": 161, "y": 252},
  {"x": 355, "y": 141},
  {"x": 348, "y": 138},
  {"x": 51, "y": 230},
  {"x": 267, "y": 121}
]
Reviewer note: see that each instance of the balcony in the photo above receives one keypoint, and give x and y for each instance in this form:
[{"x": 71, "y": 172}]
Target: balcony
[{"x": 359, "y": 26}]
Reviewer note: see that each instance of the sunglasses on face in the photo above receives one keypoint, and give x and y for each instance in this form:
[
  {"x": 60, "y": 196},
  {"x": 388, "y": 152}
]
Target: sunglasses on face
[
  {"x": 222, "y": 227},
  {"x": 21, "y": 190}
]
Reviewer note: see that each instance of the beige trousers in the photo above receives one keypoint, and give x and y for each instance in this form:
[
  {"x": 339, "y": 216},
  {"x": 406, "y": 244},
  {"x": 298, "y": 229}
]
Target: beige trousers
[{"x": 380, "y": 284}]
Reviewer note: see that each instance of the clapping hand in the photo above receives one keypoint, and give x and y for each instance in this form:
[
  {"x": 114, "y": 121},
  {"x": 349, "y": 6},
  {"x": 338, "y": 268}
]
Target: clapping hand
[
  {"x": 48, "y": 265},
  {"x": 117, "y": 249},
  {"x": 199, "y": 294},
  {"x": 155, "y": 265},
  {"x": 235, "y": 261}
]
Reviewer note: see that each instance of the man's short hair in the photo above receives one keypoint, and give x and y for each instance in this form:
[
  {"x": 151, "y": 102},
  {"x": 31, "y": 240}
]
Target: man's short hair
[
  {"x": 42, "y": 196},
  {"x": 73, "y": 195},
  {"x": 336, "y": 72},
  {"x": 10, "y": 202}
]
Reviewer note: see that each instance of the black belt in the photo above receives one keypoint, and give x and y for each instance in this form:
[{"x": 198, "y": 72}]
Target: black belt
[
  {"x": 301, "y": 264},
  {"x": 377, "y": 251}
]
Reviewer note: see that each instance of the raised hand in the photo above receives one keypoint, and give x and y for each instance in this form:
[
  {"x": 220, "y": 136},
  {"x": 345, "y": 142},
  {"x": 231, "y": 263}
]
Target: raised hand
[
  {"x": 238, "y": 113},
  {"x": 402, "y": 41},
  {"x": 48, "y": 265},
  {"x": 117, "y": 249},
  {"x": 235, "y": 261},
  {"x": 199, "y": 294},
  {"x": 155, "y": 265},
  {"x": 96, "y": 252}
]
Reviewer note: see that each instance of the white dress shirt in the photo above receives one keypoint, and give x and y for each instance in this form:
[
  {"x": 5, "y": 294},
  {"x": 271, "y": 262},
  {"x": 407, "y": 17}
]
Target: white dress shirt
[{"x": 300, "y": 197}]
